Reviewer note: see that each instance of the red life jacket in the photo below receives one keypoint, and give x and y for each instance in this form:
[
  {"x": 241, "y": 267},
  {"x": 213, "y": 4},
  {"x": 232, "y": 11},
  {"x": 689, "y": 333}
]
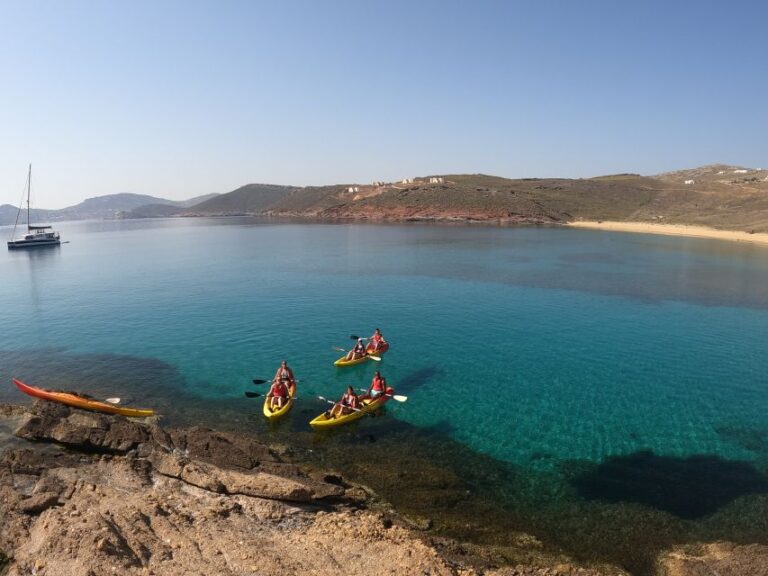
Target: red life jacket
[
  {"x": 378, "y": 384},
  {"x": 279, "y": 390}
]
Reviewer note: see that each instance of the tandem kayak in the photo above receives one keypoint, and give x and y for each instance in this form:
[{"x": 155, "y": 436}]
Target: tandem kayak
[
  {"x": 368, "y": 353},
  {"x": 280, "y": 412},
  {"x": 323, "y": 421},
  {"x": 71, "y": 399}
]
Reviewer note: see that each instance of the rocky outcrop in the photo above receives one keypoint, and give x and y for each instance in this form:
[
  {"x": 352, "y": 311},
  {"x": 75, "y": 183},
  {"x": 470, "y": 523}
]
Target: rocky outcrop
[
  {"x": 96, "y": 494},
  {"x": 101, "y": 494},
  {"x": 720, "y": 558},
  {"x": 82, "y": 430}
]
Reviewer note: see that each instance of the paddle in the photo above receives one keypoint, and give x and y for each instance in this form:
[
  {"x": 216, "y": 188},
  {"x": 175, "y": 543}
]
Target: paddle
[
  {"x": 257, "y": 395},
  {"x": 398, "y": 397},
  {"x": 112, "y": 400},
  {"x": 353, "y": 337},
  {"x": 260, "y": 381},
  {"x": 350, "y": 407}
]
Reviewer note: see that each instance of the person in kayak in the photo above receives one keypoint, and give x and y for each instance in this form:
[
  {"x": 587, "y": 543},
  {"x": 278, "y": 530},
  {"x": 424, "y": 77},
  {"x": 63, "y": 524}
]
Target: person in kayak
[
  {"x": 376, "y": 341},
  {"x": 377, "y": 388},
  {"x": 349, "y": 402},
  {"x": 280, "y": 390},
  {"x": 358, "y": 351},
  {"x": 278, "y": 394},
  {"x": 284, "y": 373}
]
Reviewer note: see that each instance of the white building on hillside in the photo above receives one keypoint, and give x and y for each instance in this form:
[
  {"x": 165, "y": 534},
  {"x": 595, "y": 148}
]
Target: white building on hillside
[
  {"x": 436, "y": 180},
  {"x": 690, "y": 182},
  {"x": 407, "y": 181}
]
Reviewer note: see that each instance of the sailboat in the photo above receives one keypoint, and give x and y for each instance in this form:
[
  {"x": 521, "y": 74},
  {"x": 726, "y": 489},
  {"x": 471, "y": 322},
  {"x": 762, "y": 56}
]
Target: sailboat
[{"x": 36, "y": 235}]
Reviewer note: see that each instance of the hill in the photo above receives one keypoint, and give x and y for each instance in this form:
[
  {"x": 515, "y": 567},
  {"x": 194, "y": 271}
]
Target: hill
[
  {"x": 719, "y": 196},
  {"x": 108, "y": 206},
  {"x": 248, "y": 199}
]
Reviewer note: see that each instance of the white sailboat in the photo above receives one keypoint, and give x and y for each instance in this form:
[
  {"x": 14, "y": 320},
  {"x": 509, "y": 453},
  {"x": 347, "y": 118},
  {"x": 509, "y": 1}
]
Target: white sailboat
[{"x": 36, "y": 235}]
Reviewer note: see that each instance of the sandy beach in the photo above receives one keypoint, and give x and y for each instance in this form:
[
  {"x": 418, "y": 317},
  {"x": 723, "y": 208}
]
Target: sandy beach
[{"x": 674, "y": 230}]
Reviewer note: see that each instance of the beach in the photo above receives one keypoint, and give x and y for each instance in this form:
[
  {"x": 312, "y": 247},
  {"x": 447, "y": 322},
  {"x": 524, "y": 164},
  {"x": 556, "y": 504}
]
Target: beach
[{"x": 673, "y": 230}]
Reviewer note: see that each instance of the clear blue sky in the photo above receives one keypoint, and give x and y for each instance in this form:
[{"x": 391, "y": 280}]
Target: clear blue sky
[{"x": 177, "y": 99}]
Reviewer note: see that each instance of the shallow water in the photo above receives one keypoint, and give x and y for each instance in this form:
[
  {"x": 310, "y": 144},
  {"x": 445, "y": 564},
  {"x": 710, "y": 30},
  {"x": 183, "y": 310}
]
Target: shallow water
[{"x": 560, "y": 378}]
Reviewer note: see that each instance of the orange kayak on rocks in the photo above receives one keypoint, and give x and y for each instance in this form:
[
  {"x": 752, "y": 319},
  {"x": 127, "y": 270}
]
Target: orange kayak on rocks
[{"x": 76, "y": 401}]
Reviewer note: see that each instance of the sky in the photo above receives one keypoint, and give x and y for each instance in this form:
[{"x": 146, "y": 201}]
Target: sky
[{"x": 180, "y": 99}]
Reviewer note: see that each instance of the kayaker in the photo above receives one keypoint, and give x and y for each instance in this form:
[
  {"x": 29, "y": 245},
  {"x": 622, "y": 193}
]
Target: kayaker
[
  {"x": 376, "y": 341},
  {"x": 284, "y": 373},
  {"x": 358, "y": 351},
  {"x": 348, "y": 403},
  {"x": 378, "y": 386},
  {"x": 278, "y": 394}
]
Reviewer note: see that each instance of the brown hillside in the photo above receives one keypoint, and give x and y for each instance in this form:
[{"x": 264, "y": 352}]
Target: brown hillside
[{"x": 720, "y": 196}]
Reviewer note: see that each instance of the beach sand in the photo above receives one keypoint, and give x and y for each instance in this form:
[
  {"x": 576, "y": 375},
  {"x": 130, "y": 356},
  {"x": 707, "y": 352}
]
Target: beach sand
[{"x": 674, "y": 230}]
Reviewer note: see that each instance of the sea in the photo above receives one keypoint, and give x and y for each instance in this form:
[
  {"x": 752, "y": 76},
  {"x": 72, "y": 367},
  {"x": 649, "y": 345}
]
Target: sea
[{"x": 594, "y": 394}]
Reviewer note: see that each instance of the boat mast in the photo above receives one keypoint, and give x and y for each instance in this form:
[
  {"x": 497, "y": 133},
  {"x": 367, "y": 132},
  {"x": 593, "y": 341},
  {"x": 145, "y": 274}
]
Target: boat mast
[{"x": 29, "y": 187}]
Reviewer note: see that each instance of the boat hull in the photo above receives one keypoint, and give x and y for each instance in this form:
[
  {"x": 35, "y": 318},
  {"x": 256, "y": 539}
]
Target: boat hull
[
  {"x": 17, "y": 244},
  {"x": 79, "y": 402},
  {"x": 323, "y": 421}
]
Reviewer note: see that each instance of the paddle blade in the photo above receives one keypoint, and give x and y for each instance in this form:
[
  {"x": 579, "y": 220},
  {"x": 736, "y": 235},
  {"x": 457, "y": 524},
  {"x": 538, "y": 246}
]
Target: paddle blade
[
  {"x": 400, "y": 398},
  {"x": 259, "y": 381},
  {"x": 112, "y": 400},
  {"x": 353, "y": 337},
  {"x": 375, "y": 358},
  {"x": 252, "y": 394},
  {"x": 338, "y": 349}
]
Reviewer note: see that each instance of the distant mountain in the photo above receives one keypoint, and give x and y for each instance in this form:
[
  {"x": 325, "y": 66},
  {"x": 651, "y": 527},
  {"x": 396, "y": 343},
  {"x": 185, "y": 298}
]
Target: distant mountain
[
  {"x": 108, "y": 206},
  {"x": 7, "y": 214}
]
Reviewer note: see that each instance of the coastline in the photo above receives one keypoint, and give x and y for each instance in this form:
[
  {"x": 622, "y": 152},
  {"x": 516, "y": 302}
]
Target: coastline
[{"x": 687, "y": 230}]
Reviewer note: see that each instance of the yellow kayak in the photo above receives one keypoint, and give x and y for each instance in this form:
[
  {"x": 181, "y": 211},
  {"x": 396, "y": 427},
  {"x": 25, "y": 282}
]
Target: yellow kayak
[
  {"x": 323, "y": 421},
  {"x": 280, "y": 412},
  {"x": 368, "y": 353},
  {"x": 71, "y": 399}
]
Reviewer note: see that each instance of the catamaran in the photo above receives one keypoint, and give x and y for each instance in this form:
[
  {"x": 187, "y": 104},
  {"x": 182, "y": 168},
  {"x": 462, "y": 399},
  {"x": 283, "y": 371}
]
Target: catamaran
[{"x": 36, "y": 235}]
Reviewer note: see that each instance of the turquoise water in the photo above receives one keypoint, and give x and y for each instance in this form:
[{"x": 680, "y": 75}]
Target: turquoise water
[{"x": 535, "y": 347}]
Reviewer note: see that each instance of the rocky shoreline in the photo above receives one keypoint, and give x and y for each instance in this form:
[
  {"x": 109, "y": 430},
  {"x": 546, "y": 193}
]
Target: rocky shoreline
[{"x": 90, "y": 494}]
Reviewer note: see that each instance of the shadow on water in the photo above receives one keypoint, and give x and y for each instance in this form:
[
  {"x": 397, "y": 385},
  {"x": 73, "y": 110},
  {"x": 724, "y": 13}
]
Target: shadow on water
[
  {"x": 417, "y": 379},
  {"x": 689, "y": 488},
  {"x": 622, "y": 512}
]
